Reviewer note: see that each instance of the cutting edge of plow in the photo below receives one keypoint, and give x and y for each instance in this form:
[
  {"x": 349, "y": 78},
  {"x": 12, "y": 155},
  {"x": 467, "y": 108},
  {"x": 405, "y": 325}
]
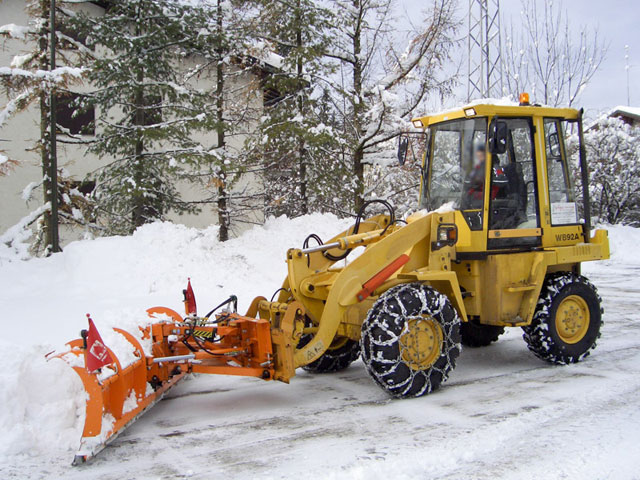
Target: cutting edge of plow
[{"x": 87, "y": 452}]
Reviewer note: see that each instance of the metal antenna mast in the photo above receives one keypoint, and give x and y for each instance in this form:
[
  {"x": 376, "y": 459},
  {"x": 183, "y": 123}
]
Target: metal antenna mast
[
  {"x": 484, "y": 47},
  {"x": 627, "y": 67}
]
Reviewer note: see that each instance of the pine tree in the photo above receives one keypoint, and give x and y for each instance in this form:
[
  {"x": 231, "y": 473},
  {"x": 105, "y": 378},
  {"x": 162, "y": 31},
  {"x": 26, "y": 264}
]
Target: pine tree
[
  {"x": 29, "y": 81},
  {"x": 151, "y": 107},
  {"x": 237, "y": 107},
  {"x": 292, "y": 138}
]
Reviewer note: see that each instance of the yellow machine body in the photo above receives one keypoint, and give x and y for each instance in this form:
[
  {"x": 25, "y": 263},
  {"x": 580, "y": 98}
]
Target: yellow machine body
[{"x": 494, "y": 286}]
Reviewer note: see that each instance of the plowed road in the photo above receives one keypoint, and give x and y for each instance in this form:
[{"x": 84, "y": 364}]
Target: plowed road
[{"x": 502, "y": 414}]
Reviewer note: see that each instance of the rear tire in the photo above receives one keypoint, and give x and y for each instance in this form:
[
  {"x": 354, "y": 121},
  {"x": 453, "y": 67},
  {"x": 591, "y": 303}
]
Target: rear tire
[
  {"x": 567, "y": 320},
  {"x": 334, "y": 359},
  {"x": 411, "y": 340},
  {"x": 475, "y": 334}
]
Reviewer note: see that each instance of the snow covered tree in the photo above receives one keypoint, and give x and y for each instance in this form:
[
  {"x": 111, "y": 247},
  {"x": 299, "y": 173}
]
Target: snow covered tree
[
  {"x": 237, "y": 105},
  {"x": 382, "y": 80},
  {"x": 29, "y": 81},
  {"x": 548, "y": 58},
  {"x": 613, "y": 153},
  {"x": 148, "y": 109},
  {"x": 156, "y": 108},
  {"x": 291, "y": 137},
  {"x": 399, "y": 184}
]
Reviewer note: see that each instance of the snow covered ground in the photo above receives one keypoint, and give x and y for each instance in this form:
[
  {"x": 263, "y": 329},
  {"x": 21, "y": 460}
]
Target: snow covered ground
[{"x": 502, "y": 414}]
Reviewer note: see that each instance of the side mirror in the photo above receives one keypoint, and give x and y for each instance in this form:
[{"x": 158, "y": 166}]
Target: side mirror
[
  {"x": 498, "y": 132},
  {"x": 403, "y": 147}
]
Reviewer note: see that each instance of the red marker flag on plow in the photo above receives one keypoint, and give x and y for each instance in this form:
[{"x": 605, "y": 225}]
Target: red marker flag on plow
[
  {"x": 190, "y": 300},
  {"x": 97, "y": 355}
]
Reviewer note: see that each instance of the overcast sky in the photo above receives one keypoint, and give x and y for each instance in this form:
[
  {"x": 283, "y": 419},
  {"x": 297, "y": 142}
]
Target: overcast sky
[{"x": 618, "y": 24}]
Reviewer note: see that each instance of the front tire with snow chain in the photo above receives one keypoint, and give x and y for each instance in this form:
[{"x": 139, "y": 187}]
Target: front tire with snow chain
[
  {"x": 567, "y": 320},
  {"x": 411, "y": 340},
  {"x": 475, "y": 334}
]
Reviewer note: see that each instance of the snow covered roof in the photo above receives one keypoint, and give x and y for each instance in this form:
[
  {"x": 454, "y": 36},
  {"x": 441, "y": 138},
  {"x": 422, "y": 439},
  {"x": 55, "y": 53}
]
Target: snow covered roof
[
  {"x": 264, "y": 53},
  {"x": 630, "y": 115},
  {"x": 623, "y": 111}
]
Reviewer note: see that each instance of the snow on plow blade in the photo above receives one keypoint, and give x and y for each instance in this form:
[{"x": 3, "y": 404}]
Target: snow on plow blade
[
  {"x": 229, "y": 344},
  {"x": 116, "y": 395}
]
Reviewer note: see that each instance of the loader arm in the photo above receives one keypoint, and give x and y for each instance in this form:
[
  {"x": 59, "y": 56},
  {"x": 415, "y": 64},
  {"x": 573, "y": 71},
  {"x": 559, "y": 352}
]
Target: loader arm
[{"x": 343, "y": 286}]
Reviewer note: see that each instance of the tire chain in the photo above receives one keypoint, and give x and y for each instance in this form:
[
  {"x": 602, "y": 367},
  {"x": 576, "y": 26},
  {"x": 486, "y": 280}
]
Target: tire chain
[
  {"x": 391, "y": 305},
  {"x": 335, "y": 361},
  {"x": 537, "y": 336}
]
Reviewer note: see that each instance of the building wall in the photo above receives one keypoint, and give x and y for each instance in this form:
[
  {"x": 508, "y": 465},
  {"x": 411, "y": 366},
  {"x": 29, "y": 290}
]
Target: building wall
[{"x": 20, "y": 134}]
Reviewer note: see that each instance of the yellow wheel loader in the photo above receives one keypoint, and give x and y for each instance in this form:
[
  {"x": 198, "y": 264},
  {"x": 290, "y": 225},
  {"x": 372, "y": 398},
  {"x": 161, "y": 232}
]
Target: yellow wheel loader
[{"x": 498, "y": 242}]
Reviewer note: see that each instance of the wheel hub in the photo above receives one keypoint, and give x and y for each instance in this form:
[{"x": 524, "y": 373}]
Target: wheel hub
[
  {"x": 572, "y": 319},
  {"x": 421, "y": 342}
]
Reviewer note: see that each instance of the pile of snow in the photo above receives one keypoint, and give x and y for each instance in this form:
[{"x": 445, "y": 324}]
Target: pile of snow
[
  {"x": 498, "y": 102},
  {"x": 623, "y": 240},
  {"x": 44, "y": 303},
  {"x": 43, "y": 405}
]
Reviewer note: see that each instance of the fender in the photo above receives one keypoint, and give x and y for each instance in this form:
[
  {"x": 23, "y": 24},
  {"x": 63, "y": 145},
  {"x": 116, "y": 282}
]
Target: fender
[{"x": 444, "y": 282}]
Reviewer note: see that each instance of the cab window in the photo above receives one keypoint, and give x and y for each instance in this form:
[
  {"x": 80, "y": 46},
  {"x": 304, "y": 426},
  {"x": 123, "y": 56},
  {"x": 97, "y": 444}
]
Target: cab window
[
  {"x": 455, "y": 173},
  {"x": 513, "y": 203},
  {"x": 561, "y": 197}
]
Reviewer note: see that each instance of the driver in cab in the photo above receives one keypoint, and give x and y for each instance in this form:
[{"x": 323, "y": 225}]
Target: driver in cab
[{"x": 473, "y": 190}]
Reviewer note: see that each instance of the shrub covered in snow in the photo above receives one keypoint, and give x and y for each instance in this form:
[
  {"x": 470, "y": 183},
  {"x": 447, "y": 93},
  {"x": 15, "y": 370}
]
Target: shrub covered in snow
[{"x": 613, "y": 155}]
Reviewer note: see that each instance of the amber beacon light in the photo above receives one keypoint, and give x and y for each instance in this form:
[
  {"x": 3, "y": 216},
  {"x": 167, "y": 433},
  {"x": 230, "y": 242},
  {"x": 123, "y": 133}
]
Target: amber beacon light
[{"x": 524, "y": 98}]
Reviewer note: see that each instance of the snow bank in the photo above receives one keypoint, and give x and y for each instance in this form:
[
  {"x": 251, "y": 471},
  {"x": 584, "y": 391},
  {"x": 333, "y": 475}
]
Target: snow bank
[
  {"x": 44, "y": 303},
  {"x": 42, "y": 402},
  {"x": 623, "y": 241}
]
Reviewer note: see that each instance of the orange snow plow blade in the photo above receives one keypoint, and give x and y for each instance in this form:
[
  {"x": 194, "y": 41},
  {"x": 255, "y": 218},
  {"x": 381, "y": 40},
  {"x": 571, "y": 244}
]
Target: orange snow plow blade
[
  {"x": 231, "y": 344},
  {"x": 116, "y": 396}
]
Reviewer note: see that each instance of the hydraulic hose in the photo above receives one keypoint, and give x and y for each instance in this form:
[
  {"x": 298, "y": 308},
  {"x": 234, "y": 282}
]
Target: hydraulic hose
[{"x": 356, "y": 229}]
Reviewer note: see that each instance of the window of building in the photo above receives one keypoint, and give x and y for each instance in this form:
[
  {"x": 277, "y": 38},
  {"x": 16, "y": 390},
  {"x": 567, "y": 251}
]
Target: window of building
[
  {"x": 152, "y": 111},
  {"x": 73, "y": 117}
]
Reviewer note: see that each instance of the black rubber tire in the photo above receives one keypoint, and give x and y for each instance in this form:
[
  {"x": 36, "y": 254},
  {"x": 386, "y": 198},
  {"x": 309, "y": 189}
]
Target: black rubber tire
[
  {"x": 475, "y": 334},
  {"x": 333, "y": 360},
  {"x": 542, "y": 337},
  {"x": 383, "y": 327}
]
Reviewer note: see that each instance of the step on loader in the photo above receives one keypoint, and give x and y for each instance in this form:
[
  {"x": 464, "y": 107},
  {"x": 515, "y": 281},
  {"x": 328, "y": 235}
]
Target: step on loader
[{"x": 498, "y": 242}]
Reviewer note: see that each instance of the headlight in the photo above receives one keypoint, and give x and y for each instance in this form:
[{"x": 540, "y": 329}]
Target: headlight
[{"x": 447, "y": 236}]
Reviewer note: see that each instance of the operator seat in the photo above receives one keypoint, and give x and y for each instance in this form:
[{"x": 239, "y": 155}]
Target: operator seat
[
  {"x": 517, "y": 192},
  {"x": 509, "y": 207}
]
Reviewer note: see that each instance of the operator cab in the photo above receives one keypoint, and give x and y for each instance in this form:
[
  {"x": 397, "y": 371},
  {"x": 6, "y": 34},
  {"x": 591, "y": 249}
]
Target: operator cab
[{"x": 505, "y": 170}]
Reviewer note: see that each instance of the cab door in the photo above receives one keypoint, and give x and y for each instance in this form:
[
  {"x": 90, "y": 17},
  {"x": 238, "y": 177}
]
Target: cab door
[
  {"x": 514, "y": 227},
  {"x": 514, "y": 219},
  {"x": 563, "y": 226}
]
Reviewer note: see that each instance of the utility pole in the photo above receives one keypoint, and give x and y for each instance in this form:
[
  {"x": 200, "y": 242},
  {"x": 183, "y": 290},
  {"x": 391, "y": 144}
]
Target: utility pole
[
  {"x": 627, "y": 67},
  {"x": 53, "y": 161},
  {"x": 484, "y": 50}
]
